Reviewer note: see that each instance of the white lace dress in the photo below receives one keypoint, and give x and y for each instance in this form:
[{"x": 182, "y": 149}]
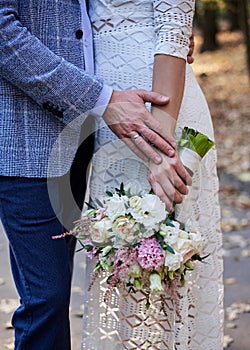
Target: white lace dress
[{"x": 127, "y": 34}]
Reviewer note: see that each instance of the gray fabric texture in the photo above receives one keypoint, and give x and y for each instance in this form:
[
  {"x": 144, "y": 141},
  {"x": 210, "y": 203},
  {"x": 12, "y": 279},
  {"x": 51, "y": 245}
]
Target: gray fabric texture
[{"x": 44, "y": 88}]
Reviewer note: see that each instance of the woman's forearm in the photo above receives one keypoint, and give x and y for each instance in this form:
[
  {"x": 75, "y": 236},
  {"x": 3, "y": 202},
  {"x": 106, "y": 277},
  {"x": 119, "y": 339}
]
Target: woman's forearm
[{"x": 168, "y": 79}]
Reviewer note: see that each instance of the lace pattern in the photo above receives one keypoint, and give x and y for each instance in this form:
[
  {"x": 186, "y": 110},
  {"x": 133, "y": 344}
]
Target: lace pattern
[
  {"x": 124, "y": 44},
  {"x": 173, "y": 23},
  {"x": 171, "y": 20}
]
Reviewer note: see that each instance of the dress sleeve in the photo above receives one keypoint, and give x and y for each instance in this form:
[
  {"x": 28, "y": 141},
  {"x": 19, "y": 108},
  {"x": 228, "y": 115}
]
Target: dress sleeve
[{"x": 173, "y": 21}]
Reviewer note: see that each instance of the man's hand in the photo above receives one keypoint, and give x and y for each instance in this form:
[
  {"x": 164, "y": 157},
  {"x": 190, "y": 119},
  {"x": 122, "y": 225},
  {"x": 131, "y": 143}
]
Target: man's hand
[
  {"x": 190, "y": 58},
  {"x": 127, "y": 116}
]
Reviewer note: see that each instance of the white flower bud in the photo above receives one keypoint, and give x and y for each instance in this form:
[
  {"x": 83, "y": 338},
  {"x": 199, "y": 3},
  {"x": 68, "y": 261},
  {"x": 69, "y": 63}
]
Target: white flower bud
[{"x": 155, "y": 283}]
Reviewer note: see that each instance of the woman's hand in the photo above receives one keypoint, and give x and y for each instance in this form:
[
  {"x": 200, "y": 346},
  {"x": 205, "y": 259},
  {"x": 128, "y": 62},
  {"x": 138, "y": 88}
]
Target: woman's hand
[
  {"x": 167, "y": 177},
  {"x": 190, "y": 58}
]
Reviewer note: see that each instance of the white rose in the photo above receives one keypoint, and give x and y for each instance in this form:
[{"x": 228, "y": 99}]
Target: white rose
[
  {"x": 125, "y": 228},
  {"x": 115, "y": 207},
  {"x": 192, "y": 247},
  {"x": 135, "y": 203},
  {"x": 100, "y": 231},
  {"x": 173, "y": 261},
  {"x": 183, "y": 235},
  {"x": 135, "y": 208},
  {"x": 186, "y": 241},
  {"x": 183, "y": 245}
]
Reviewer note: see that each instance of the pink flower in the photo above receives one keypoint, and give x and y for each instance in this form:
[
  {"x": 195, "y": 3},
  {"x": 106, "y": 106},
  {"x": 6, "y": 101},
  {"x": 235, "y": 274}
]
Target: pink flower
[
  {"x": 124, "y": 259},
  {"x": 149, "y": 254},
  {"x": 91, "y": 253},
  {"x": 100, "y": 213}
]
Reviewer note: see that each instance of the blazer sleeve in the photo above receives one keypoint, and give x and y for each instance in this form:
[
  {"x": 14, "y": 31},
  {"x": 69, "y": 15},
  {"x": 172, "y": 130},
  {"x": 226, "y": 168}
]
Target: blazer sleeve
[
  {"x": 54, "y": 83},
  {"x": 173, "y": 21}
]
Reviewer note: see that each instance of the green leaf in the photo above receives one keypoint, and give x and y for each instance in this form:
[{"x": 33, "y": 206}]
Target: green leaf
[
  {"x": 189, "y": 265},
  {"x": 168, "y": 222},
  {"x": 201, "y": 144},
  {"x": 147, "y": 304},
  {"x": 99, "y": 202},
  {"x": 89, "y": 205},
  {"x": 183, "y": 281},
  {"x": 131, "y": 289},
  {"x": 109, "y": 279},
  {"x": 170, "y": 249},
  {"x": 195, "y": 141},
  {"x": 98, "y": 251},
  {"x": 98, "y": 267},
  {"x": 122, "y": 187},
  {"x": 171, "y": 275},
  {"x": 120, "y": 191},
  {"x": 199, "y": 258},
  {"x": 88, "y": 247},
  {"x": 109, "y": 194},
  {"x": 79, "y": 250}
]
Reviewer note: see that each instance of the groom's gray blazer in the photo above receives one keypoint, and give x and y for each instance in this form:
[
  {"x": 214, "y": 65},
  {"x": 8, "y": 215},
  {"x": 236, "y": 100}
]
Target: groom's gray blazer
[{"x": 43, "y": 85}]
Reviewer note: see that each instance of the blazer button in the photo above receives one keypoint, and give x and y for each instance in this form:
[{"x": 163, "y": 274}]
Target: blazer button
[{"x": 79, "y": 34}]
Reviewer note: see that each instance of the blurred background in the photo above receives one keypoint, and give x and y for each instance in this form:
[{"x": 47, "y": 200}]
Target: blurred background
[{"x": 222, "y": 67}]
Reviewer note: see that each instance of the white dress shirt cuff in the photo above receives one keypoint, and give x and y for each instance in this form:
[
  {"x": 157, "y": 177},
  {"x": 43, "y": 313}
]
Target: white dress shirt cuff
[{"x": 102, "y": 101}]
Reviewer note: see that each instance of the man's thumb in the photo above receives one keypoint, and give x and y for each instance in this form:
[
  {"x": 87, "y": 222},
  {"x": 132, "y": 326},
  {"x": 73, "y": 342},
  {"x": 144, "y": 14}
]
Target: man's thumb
[{"x": 154, "y": 97}]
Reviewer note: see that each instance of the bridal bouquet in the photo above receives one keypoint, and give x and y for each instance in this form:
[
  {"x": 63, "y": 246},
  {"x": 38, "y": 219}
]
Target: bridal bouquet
[{"x": 136, "y": 242}]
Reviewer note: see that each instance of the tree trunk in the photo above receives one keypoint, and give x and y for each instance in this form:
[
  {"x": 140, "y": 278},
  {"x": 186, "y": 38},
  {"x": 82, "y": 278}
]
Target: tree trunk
[
  {"x": 233, "y": 14},
  {"x": 245, "y": 30},
  {"x": 209, "y": 28}
]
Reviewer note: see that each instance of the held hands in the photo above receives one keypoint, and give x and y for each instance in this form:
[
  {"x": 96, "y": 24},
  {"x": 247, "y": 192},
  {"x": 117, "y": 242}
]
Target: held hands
[
  {"x": 127, "y": 116},
  {"x": 169, "y": 180}
]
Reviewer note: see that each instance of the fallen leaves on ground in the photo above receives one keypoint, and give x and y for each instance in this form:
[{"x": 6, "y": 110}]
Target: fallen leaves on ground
[
  {"x": 232, "y": 314},
  {"x": 227, "y": 341},
  {"x": 224, "y": 79},
  {"x": 8, "y": 306},
  {"x": 233, "y": 311}
]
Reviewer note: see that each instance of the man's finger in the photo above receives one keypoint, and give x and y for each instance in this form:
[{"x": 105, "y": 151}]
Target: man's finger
[
  {"x": 131, "y": 144},
  {"x": 154, "y": 97},
  {"x": 165, "y": 146},
  {"x": 147, "y": 150}
]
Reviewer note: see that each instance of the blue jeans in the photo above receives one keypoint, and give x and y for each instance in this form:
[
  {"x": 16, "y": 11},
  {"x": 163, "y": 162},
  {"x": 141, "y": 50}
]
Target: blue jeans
[{"x": 41, "y": 266}]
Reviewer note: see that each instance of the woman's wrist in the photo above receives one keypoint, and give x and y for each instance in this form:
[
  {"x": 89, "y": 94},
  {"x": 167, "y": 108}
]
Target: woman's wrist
[{"x": 167, "y": 122}]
